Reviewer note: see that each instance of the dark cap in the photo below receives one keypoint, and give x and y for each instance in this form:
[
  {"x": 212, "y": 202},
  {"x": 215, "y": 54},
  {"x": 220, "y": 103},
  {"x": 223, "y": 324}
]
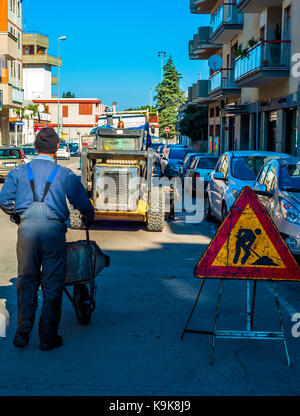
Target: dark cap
[{"x": 46, "y": 141}]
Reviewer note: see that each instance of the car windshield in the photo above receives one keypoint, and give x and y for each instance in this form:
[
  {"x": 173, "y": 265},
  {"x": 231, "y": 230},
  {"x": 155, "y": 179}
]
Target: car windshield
[
  {"x": 9, "y": 154},
  {"x": 246, "y": 168},
  {"x": 63, "y": 146},
  {"x": 207, "y": 163},
  {"x": 290, "y": 178},
  {"x": 176, "y": 153},
  {"x": 30, "y": 151}
]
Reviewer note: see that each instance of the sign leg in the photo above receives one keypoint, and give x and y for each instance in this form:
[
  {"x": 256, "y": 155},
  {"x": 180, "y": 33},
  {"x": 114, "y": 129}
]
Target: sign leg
[
  {"x": 193, "y": 309},
  {"x": 212, "y": 351},
  {"x": 253, "y": 304},
  {"x": 281, "y": 323}
]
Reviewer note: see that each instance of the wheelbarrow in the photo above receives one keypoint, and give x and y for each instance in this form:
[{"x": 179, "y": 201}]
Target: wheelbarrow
[{"x": 85, "y": 261}]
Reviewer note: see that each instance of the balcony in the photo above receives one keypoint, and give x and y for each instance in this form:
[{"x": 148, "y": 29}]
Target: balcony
[
  {"x": 256, "y": 6},
  {"x": 198, "y": 93},
  {"x": 201, "y": 47},
  {"x": 202, "y": 6},
  {"x": 8, "y": 46},
  {"x": 222, "y": 83},
  {"x": 12, "y": 97},
  {"x": 226, "y": 22},
  {"x": 266, "y": 62},
  {"x": 41, "y": 59}
]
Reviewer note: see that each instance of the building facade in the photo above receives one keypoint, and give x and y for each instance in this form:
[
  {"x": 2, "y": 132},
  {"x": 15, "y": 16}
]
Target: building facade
[
  {"x": 37, "y": 67},
  {"x": 11, "y": 77},
  {"x": 77, "y": 116},
  {"x": 253, "y": 95}
]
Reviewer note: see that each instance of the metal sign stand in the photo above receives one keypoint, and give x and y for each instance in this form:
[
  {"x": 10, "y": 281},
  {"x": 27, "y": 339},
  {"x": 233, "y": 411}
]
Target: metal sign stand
[{"x": 250, "y": 333}]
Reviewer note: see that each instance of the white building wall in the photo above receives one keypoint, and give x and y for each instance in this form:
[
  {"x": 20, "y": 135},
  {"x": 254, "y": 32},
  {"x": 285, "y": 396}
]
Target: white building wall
[{"x": 37, "y": 83}]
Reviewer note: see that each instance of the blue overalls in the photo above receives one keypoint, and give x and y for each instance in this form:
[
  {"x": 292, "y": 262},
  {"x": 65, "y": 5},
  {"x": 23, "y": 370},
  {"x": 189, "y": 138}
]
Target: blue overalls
[{"x": 41, "y": 252}]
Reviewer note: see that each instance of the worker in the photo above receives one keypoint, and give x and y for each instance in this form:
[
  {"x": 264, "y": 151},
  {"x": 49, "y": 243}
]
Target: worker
[{"x": 34, "y": 194}]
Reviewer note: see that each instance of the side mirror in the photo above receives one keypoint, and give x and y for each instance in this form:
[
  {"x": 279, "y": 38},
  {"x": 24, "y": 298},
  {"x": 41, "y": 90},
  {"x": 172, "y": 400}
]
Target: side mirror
[
  {"x": 219, "y": 176},
  {"x": 261, "y": 189}
]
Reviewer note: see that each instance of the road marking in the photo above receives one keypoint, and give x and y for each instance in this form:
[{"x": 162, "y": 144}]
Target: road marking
[{"x": 288, "y": 307}]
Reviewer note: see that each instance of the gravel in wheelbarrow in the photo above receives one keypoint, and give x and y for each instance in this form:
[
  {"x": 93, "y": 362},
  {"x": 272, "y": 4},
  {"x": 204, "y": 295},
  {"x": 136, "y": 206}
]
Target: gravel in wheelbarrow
[{"x": 80, "y": 255}]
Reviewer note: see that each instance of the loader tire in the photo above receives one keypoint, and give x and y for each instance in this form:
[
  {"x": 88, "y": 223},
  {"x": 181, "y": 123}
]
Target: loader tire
[
  {"x": 76, "y": 222},
  {"x": 156, "y": 213}
]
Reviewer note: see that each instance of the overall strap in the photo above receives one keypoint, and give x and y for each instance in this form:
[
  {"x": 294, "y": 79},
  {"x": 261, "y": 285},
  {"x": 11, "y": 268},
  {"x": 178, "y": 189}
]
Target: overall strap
[
  {"x": 50, "y": 181},
  {"x": 31, "y": 181}
]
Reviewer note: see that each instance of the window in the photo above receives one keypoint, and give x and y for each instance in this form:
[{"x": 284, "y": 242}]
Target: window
[
  {"x": 263, "y": 174},
  {"x": 10, "y": 5},
  {"x": 85, "y": 109},
  {"x": 19, "y": 72},
  {"x": 18, "y": 8},
  {"x": 19, "y": 41},
  {"x": 270, "y": 177},
  {"x": 65, "y": 111},
  {"x": 224, "y": 167}
]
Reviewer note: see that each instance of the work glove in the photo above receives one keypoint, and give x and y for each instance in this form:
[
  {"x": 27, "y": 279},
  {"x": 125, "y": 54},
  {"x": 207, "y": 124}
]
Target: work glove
[
  {"x": 87, "y": 222},
  {"x": 15, "y": 218}
]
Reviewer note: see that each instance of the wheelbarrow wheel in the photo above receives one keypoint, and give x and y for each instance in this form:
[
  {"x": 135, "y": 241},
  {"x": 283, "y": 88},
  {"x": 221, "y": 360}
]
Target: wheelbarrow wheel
[{"x": 82, "y": 304}]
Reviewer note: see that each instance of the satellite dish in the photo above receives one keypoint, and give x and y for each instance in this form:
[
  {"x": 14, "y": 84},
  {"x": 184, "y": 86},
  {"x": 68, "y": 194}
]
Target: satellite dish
[{"x": 215, "y": 62}]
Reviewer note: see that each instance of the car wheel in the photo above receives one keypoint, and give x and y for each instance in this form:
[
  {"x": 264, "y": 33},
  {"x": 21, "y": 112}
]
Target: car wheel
[
  {"x": 224, "y": 211},
  {"x": 208, "y": 214}
]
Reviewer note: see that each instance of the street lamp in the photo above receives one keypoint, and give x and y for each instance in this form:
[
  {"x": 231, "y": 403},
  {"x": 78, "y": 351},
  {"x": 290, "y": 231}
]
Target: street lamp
[
  {"x": 151, "y": 98},
  {"x": 58, "y": 115},
  {"x": 162, "y": 55}
]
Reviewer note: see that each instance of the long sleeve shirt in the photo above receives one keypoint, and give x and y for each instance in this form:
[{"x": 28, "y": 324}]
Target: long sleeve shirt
[{"x": 66, "y": 184}]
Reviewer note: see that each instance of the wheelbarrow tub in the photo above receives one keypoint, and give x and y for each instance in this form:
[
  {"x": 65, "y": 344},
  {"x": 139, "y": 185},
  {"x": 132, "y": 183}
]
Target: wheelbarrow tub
[{"x": 85, "y": 260}]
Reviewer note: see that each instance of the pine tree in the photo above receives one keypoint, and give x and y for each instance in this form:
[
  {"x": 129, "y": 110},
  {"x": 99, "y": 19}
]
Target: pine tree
[{"x": 168, "y": 99}]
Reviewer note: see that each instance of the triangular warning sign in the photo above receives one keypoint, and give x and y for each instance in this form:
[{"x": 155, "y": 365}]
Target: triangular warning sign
[{"x": 248, "y": 246}]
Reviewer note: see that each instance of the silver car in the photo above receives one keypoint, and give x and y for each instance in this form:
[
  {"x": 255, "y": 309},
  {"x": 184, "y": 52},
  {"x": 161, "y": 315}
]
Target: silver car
[
  {"x": 234, "y": 171},
  {"x": 278, "y": 188}
]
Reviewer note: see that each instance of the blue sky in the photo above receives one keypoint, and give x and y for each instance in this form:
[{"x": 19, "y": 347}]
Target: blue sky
[{"x": 112, "y": 46}]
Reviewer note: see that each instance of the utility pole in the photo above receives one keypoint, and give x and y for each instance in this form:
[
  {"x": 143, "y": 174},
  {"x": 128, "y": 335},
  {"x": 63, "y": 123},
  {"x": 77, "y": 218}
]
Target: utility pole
[
  {"x": 162, "y": 55},
  {"x": 151, "y": 98},
  {"x": 58, "y": 79}
]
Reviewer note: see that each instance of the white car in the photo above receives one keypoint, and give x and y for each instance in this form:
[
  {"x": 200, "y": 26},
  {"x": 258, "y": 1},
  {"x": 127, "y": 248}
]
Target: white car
[
  {"x": 234, "y": 171},
  {"x": 63, "y": 151}
]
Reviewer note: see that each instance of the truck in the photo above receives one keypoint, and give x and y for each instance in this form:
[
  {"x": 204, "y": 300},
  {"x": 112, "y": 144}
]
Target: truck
[{"x": 121, "y": 176}]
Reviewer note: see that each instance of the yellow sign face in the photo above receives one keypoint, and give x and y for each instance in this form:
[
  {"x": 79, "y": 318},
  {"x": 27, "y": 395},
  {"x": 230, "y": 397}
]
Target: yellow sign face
[{"x": 238, "y": 250}]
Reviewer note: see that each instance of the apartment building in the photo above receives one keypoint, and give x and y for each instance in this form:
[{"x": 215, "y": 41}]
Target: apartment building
[
  {"x": 77, "y": 116},
  {"x": 11, "y": 79},
  {"x": 37, "y": 67},
  {"x": 253, "y": 97}
]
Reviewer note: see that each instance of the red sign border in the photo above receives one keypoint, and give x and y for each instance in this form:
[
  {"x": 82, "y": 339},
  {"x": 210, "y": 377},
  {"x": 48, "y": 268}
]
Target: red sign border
[{"x": 204, "y": 269}]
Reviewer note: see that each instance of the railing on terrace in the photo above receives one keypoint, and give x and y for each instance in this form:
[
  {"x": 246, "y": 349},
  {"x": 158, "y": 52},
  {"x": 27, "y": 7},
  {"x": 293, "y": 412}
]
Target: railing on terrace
[
  {"x": 227, "y": 13},
  {"x": 272, "y": 54},
  {"x": 223, "y": 78}
]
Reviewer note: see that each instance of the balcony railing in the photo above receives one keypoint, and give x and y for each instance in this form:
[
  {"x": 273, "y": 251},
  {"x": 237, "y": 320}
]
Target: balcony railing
[
  {"x": 224, "y": 78},
  {"x": 227, "y": 13},
  {"x": 264, "y": 55}
]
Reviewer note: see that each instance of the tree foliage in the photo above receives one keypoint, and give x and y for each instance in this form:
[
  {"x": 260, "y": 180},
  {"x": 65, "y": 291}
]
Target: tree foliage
[
  {"x": 194, "y": 122},
  {"x": 68, "y": 94},
  {"x": 168, "y": 99}
]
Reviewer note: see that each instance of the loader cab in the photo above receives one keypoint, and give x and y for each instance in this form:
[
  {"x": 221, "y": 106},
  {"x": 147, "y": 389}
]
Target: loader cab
[{"x": 120, "y": 140}]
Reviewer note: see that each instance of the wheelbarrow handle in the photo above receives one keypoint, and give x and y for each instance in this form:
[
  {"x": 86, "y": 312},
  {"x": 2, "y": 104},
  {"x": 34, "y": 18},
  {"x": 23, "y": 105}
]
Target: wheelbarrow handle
[{"x": 87, "y": 232}]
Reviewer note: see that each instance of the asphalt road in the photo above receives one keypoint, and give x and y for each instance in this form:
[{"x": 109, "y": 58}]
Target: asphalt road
[{"x": 132, "y": 346}]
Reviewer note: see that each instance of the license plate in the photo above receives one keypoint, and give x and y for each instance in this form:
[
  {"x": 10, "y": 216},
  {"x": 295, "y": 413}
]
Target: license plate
[{"x": 8, "y": 165}]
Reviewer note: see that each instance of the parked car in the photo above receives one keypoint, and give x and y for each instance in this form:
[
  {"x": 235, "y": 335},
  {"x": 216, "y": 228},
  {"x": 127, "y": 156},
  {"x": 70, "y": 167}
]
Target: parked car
[
  {"x": 234, "y": 171},
  {"x": 10, "y": 158},
  {"x": 63, "y": 151},
  {"x": 30, "y": 152},
  {"x": 186, "y": 163},
  {"x": 157, "y": 146},
  {"x": 201, "y": 168},
  {"x": 173, "y": 160},
  {"x": 74, "y": 149},
  {"x": 278, "y": 188}
]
